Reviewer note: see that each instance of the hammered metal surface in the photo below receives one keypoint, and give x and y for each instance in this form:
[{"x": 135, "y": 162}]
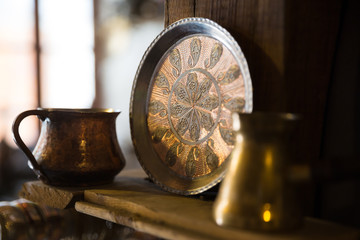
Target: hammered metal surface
[
  {"x": 194, "y": 91},
  {"x": 76, "y": 147}
]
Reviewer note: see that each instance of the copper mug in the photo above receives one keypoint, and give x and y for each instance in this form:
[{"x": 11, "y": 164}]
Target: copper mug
[
  {"x": 259, "y": 191},
  {"x": 76, "y": 147}
]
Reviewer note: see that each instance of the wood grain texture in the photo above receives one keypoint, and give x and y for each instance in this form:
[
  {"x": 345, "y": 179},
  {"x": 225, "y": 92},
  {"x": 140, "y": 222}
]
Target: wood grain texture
[
  {"x": 62, "y": 198},
  {"x": 172, "y": 216},
  {"x": 175, "y": 10},
  {"x": 289, "y": 47},
  {"x": 135, "y": 202},
  {"x": 41, "y": 193},
  {"x": 136, "y": 222},
  {"x": 311, "y": 33}
]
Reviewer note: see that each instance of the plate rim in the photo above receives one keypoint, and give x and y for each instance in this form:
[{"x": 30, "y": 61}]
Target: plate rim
[{"x": 222, "y": 36}]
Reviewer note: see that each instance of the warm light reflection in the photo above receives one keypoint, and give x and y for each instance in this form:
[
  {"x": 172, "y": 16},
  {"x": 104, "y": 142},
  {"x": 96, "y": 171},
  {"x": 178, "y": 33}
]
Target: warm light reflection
[
  {"x": 83, "y": 145},
  {"x": 268, "y": 158},
  {"x": 236, "y": 154},
  {"x": 84, "y": 154},
  {"x": 220, "y": 210},
  {"x": 267, "y": 213},
  {"x": 267, "y": 216},
  {"x": 239, "y": 138},
  {"x": 236, "y": 121}
]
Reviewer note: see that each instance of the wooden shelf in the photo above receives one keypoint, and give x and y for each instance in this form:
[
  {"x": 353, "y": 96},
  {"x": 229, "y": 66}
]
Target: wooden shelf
[{"x": 135, "y": 202}]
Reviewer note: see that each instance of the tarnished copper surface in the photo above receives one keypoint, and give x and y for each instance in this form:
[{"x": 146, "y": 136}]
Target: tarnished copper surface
[
  {"x": 75, "y": 147},
  {"x": 194, "y": 91}
]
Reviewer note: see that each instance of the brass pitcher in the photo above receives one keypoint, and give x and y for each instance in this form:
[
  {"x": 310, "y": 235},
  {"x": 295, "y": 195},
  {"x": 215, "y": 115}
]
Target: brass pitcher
[
  {"x": 76, "y": 147},
  {"x": 259, "y": 190}
]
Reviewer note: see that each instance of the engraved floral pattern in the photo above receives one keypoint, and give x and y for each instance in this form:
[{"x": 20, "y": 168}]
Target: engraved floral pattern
[
  {"x": 212, "y": 160},
  {"x": 197, "y": 86},
  {"x": 195, "y": 50},
  {"x": 162, "y": 82},
  {"x": 156, "y": 107},
  {"x": 232, "y": 73},
  {"x": 216, "y": 53},
  {"x": 175, "y": 61},
  {"x": 193, "y": 106}
]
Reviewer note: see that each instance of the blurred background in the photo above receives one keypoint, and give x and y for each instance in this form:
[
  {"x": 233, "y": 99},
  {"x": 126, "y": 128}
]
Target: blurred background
[{"x": 68, "y": 54}]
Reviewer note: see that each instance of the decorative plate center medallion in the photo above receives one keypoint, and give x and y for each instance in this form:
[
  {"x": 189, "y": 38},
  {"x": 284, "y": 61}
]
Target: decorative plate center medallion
[
  {"x": 194, "y": 111},
  {"x": 193, "y": 92}
]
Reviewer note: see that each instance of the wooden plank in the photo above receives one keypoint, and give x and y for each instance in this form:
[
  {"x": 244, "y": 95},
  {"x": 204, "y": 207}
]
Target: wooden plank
[
  {"x": 136, "y": 222},
  {"x": 40, "y": 193},
  {"x": 135, "y": 202},
  {"x": 177, "y": 217},
  {"x": 59, "y": 197}
]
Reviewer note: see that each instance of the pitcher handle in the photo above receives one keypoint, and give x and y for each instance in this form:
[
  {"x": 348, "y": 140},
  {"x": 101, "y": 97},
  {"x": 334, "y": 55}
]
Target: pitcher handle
[{"x": 20, "y": 143}]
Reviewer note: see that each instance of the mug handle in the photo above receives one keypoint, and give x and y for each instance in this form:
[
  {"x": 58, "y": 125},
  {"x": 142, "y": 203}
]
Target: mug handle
[{"x": 20, "y": 143}]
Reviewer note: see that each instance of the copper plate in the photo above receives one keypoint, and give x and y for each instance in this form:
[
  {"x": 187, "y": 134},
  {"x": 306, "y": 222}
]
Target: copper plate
[{"x": 189, "y": 81}]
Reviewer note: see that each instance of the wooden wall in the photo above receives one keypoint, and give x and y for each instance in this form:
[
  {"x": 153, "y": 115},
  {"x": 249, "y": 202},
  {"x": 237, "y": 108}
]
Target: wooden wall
[{"x": 289, "y": 46}]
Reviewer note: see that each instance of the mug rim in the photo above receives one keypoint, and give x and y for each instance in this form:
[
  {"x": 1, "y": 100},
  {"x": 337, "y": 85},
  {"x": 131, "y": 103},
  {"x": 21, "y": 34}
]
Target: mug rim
[{"x": 80, "y": 110}]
